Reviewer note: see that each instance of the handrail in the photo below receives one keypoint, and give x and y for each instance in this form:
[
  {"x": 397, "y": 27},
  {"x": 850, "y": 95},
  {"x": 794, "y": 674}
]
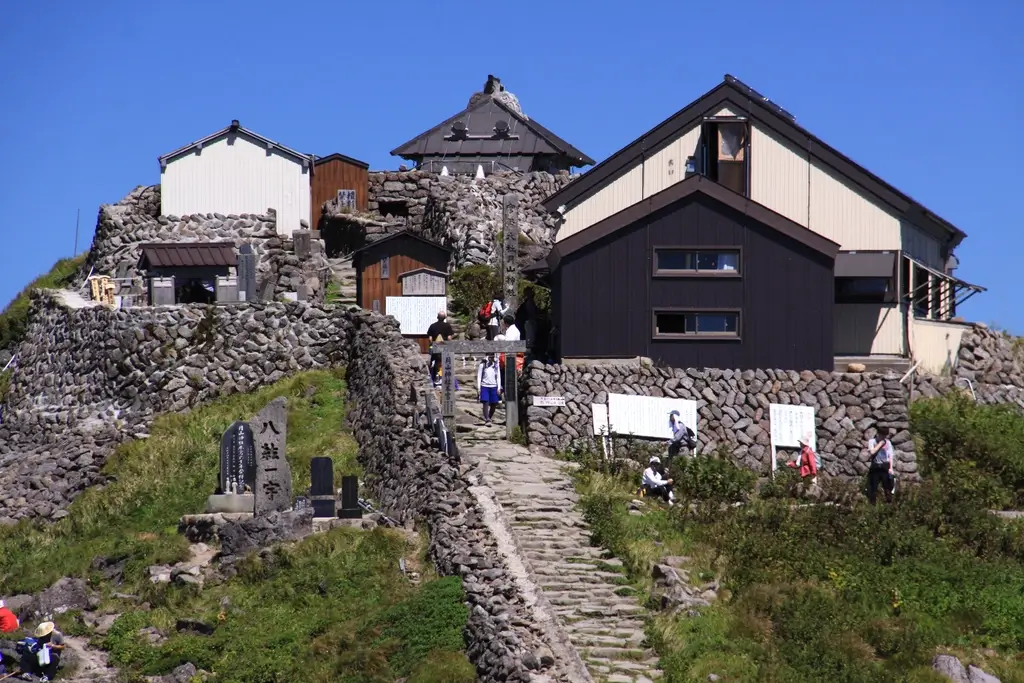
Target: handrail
[
  {"x": 910, "y": 372},
  {"x": 970, "y": 385},
  {"x": 9, "y": 363}
]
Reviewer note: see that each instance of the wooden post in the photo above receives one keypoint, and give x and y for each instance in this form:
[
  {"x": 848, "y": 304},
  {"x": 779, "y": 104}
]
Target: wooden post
[
  {"x": 448, "y": 384},
  {"x": 510, "y": 249}
]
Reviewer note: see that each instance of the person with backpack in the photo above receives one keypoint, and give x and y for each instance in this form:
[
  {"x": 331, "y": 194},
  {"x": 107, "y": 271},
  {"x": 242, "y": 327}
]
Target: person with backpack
[
  {"x": 681, "y": 436},
  {"x": 807, "y": 460},
  {"x": 440, "y": 331},
  {"x": 490, "y": 316},
  {"x": 880, "y": 470},
  {"x": 488, "y": 382}
]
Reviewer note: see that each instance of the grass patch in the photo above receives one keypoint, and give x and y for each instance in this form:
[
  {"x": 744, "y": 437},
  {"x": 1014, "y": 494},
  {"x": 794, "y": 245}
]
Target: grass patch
[
  {"x": 847, "y": 593},
  {"x": 14, "y": 318},
  {"x": 157, "y": 480},
  {"x": 334, "y": 607}
]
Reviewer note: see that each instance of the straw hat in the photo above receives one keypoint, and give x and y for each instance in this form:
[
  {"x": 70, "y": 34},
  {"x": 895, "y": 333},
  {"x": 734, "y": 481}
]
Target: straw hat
[{"x": 44, "y": 629}]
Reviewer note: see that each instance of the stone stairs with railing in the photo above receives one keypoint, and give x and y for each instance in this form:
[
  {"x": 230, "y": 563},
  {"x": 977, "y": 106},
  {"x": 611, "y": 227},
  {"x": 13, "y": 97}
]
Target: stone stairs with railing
[{"x": 585, "y": 588}]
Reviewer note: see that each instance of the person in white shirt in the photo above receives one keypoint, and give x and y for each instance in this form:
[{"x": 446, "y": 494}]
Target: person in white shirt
[
  {"x": 498, "y": 310},
  {"x": 512, "y": 332},
  {"x": 880, "y": 471},
  {"x": 488, "y": 382},
  {"x": 656, "y": 484}
]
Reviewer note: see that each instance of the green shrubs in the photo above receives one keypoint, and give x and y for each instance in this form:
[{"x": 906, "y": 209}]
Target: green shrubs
[
  {"x": 470, "y": 287},
  {"x": 14, "y": 318},
  {"x": 841, "y": 591},
  {"x": 976, "y": 444}
]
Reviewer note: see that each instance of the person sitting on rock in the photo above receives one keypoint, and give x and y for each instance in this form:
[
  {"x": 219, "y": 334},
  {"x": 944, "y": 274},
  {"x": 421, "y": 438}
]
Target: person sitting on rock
[
  {"x": 43, "y": 657},
  {"x": 655, "y": 483},
  {"x": 681, "y": 436}
]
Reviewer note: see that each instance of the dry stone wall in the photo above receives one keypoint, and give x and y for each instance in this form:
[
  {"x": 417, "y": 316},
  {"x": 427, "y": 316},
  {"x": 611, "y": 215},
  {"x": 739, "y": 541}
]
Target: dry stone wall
[
  {"x": 89, "y": 378},
  {"x": 733, "y": 409},
  {"x": 989, "y": 362},
  {"x": 123, "y": 227},
  {"x": 465, "y": 214}
]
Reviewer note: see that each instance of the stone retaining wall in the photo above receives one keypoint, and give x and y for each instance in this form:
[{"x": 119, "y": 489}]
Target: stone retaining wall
[
  {"x": 732, "y": 409},
  {"x": 122, "y": 227},
  {"x": 465, "y": 214},
  {"x": 89, "y": 378},
  {"x": 990, "y": 362}
]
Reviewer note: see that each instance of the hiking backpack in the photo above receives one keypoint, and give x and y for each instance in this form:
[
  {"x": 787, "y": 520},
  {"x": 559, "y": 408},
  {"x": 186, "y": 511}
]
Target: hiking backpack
[{"x": 485, "y": 313}]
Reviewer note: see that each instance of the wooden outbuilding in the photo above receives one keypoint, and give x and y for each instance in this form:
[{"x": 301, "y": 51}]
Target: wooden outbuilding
[
  {"x": 336, "y": 174},
  {"x": 405, "y": 276}
]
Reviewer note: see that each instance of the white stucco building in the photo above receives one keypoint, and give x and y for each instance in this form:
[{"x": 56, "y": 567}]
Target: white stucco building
[{"x": 236, "y": 171}]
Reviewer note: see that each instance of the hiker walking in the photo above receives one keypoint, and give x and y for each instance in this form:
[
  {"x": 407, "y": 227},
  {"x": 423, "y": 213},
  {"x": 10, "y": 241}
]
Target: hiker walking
[
  {"x": 439, "y": 331},
  {"x": 490, "y": 316},
  {"x": 880, "y": 470},
  {"x": 526, "y": 318},
  {"x": 488, "y": 382},
  {"x": 681, "y": 436}
]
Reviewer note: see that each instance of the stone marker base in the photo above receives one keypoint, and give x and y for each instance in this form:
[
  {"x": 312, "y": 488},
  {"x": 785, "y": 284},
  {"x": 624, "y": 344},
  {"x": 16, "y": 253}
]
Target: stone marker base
[
  {"x": 204, "y": 528},
  {"x": 231, "y": 503},
  {"x": 325, "y": 524}
]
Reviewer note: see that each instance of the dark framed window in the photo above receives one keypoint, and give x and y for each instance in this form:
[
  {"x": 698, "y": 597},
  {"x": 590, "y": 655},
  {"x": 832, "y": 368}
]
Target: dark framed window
[
  {"x": 674, "y": 324},
  {"x": 685, "y": 261},
  {"x": 864, "y": 290}
]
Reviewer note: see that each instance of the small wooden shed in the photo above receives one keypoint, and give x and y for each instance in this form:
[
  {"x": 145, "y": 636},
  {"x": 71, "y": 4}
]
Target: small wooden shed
[
  {"x": 404, "y": 275},
  {"x": 339, "y": 173}
]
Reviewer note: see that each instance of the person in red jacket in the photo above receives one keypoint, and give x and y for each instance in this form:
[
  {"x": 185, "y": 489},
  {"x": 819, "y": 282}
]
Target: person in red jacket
[
  {"x": 8, "y": 621},
  {"x": 807, "y": 461}
]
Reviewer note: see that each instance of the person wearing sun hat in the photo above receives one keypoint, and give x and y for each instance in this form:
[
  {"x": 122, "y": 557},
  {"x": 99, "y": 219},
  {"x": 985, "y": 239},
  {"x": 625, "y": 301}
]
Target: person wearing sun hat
[{"x": 45, "y": 659}]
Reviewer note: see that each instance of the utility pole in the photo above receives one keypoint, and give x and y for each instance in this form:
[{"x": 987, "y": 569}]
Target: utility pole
[{"x": 78, "y": 215}]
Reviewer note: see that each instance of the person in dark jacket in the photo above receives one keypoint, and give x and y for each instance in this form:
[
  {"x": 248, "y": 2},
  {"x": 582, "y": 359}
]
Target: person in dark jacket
[
  {"x": 440, "y": 331},
  {"x": 527, "y": 318}
]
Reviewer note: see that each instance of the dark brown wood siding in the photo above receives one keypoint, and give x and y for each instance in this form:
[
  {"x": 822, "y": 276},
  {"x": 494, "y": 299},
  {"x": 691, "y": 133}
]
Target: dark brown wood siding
[
  {"x": 404, "y": 255},
  {"x": 334, "y": 175},
  {"x": 608, "y": 294}
]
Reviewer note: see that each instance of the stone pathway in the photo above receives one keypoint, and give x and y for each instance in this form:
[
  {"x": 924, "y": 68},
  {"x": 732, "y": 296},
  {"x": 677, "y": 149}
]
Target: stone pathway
[
  {"x": 344, "y": 274},
  {"x": 583, "y": 586}
]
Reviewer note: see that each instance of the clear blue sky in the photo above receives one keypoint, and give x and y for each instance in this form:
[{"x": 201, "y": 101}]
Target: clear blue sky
[{"x": 928, "y": 95}]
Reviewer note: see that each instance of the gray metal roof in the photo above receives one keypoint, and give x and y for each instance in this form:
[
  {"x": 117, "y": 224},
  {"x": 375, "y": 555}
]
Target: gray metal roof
[{"x": 236, "y": 129}]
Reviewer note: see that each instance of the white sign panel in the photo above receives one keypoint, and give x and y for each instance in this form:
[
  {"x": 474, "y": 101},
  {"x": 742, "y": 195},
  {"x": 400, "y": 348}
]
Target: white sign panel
[
  {"x": 789, "y": 424},
  {"x": 647, "y": 416},
  {"x": 549, "y": 400},
  {"x": 601, "y": 431},
  {"x": 415, "y": 313}
]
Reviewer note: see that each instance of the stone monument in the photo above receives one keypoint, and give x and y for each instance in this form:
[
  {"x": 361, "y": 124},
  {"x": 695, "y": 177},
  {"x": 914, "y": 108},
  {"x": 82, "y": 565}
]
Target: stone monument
[
  {"x": 237, "y": 471},
  {"x": 321, "y": 487},
  {"x": 273, "y": 475}
]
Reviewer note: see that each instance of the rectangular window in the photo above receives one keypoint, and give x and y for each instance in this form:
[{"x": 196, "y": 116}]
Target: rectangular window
[
  {"x": 681, "y": 261},
  {"x": 385, "y": 268},
  {"x": 863, "y": 290},
  {"x": 723, "y": 147},
  {"x": 696, "y": 324}
]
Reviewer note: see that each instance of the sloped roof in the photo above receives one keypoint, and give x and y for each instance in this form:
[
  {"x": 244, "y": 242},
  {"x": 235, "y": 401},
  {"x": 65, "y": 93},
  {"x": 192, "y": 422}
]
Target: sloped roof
[
  {"x": 696, "y": 184},
  {"x": 187, "y": 255},
  {"x": 745, "y": 101},
  {"x": 236, "y": 129},
  {"x": 542, "y": 141},
  {"x": 340, "y": 157},
  {"x": 396, "y": 235}
]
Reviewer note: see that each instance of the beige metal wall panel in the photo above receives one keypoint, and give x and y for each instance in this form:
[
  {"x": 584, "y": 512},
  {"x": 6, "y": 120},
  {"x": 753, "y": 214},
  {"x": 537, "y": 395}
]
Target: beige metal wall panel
[
  {"x": 868, "y": 329},
  {"x": 237, "y": 178},
  {"x": 921, "y": 247},
  {"x": 725, "y": 111},
  {"x": 668, "y": 167},
  {"x": 845, "y": 215},
  {"x": 779, "y": 174},
  {"x": 620, "y": 194},
  {"x": 935, "y": 344}
]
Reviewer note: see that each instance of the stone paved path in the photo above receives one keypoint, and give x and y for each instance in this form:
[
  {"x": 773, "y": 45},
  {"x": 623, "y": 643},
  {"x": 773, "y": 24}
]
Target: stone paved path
[{"x": 580, "y": 582}]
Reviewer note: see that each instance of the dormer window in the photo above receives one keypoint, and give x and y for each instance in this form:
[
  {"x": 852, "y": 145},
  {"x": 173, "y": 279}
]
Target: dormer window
[{"x": 724, "y": 150}]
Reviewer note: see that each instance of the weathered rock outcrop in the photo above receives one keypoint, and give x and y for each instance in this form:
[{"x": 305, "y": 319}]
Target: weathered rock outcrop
[{"x": 732, "y": 408}]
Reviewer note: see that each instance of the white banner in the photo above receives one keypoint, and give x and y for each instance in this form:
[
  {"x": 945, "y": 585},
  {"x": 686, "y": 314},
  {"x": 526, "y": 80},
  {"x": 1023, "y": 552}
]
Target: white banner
[
  {"x": 415, "y": 313},
  {"x": 647, "y": 416},
  {"x": 789, "y": 424}
]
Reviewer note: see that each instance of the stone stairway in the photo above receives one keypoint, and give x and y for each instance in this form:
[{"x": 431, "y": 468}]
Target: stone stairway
[
  {"x": 583, "y": 586},
  {"x": 344, "y": 275}
]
